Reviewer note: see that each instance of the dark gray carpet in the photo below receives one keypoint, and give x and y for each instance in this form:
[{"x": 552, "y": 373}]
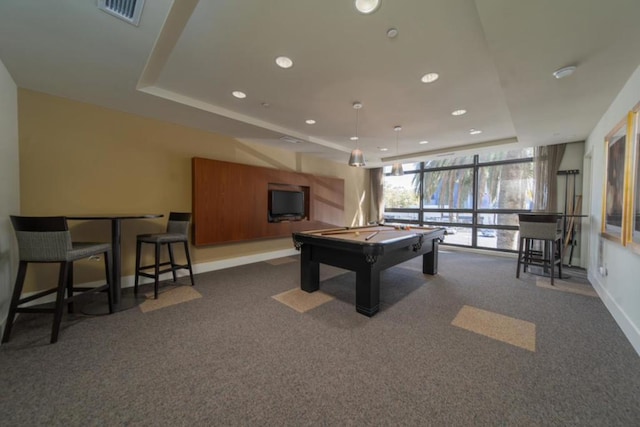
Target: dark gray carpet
[{"x": 239, "y": 357}]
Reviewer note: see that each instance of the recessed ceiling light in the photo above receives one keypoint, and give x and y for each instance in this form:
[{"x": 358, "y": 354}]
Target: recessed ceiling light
[
  {"x": 384, "y": 149},
  {"x": 423, "y": 142},
  {"x": 475, "y": 131},
  {"x": 284, "y": 62},
  {"x": 265, "y": 105},
  {"x": 392, "y": 33},
  {"x": 239, "y": 94},
  {"x": 430, "y": 77},
  {"x": 564, "y": 72},
  {"x": 353, "y": 138},
  {"x": 367, "y": 6},
  {"x": 310, "y": 122},
  {"x": 458, "y": 112}
]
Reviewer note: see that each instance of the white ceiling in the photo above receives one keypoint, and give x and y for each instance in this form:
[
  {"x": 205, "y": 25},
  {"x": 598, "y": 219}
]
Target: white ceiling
[{"x": 495, "y": 59}]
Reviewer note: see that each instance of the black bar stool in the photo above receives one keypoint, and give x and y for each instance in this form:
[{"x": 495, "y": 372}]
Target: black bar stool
[
  {"x": 177, "y": 232},
  {"x": 541, "y": 230},
  {"x": 47, "y": 240}
]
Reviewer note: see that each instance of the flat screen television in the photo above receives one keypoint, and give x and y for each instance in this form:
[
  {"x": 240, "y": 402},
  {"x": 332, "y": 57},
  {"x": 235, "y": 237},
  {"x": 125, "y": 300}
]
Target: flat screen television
[{"x": 286, "y": 204}]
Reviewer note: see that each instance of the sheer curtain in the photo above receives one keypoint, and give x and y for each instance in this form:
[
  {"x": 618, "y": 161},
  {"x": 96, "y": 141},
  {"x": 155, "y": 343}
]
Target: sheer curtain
[
  {"x": 376, "y": 209},
  {"x": 546, "y": 163}
]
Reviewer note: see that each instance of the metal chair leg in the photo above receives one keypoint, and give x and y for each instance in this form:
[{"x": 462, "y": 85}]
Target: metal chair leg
[
  {"x": 520, "y": 244},
  {"x": 15, "y": 300},
  {"x": 107, "y": 272},
  {"x": 186, "y": 252},
  {"x": 138, "y": 250},
  {"x": 157, "y": 271},
  {"x": 57, "y": 317},
  {"x": 172, "y": 261}
]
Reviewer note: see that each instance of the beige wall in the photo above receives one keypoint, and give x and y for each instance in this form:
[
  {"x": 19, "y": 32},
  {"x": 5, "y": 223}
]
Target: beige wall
[
  {"x": 78, "y": 158},
  {"x": 613, "y": 269},
  {"x": 9, "y": 186}
]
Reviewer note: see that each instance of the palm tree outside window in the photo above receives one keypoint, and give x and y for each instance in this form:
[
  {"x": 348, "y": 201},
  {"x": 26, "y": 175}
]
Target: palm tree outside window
[{"x": 476, "y": 198}]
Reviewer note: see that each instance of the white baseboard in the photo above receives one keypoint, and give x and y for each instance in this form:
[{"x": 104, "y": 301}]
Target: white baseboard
[
  {"x": 129, "y": 281},
  {"x": 630, "y": 330}
]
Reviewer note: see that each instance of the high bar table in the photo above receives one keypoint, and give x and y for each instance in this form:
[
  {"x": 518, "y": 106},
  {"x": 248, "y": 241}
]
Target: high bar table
[{"x": 116, "y": 265}]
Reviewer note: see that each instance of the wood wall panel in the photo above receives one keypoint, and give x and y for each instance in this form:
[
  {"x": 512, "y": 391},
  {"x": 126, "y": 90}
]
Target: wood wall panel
[{"x": 230, "y": 202}]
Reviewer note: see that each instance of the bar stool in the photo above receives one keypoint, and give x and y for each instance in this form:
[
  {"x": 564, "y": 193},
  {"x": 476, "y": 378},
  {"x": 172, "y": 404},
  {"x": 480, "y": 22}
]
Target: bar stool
[
  {"x": 541, "y": 229},
  {"x": 47, "y": 240},
  {"x": 177, "y": 232}
]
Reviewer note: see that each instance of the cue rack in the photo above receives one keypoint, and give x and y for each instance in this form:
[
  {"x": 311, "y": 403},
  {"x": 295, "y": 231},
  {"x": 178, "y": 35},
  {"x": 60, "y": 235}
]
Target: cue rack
[{"x": 572, "y": 206}]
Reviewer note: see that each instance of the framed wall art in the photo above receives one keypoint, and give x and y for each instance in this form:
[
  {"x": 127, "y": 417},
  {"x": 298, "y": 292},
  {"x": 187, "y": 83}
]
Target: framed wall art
[
  {"x": 632, "y": 225},
  {"x": 613, "y": 203}
]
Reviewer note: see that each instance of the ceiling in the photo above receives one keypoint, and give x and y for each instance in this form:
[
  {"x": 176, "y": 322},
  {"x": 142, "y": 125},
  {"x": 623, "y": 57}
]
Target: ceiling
[{"x": 495, "y": 59}]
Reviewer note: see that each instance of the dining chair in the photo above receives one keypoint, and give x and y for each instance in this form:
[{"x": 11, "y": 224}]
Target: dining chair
[
  {"x": 48, "y": 240},
  {"x": 540, "y": 243},
  {"x": 177, "y": 232}
]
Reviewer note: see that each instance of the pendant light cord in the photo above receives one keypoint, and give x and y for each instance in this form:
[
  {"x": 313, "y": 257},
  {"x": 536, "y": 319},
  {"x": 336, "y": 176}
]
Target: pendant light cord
[{"x": 357, "y": 137}]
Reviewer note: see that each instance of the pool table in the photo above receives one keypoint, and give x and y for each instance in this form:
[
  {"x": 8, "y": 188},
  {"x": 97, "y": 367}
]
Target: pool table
[{"x": 367, "y": 251}]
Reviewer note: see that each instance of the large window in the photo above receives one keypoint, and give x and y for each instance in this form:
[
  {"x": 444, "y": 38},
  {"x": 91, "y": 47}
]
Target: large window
[{"x": 476, "y": 198}]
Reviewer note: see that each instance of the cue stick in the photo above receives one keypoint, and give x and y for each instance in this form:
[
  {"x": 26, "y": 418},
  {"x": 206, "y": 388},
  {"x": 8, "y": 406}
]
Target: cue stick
[
  {"x": 349, "y": 230},
  {"x": 328, "y": 230},
  {"x": 372, "y": 235},
  {"x": 353, "y": 230}
]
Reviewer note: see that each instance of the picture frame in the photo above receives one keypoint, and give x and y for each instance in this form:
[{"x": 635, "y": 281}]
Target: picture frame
[
  {"x": 632, "y": 222},
  {"x": 613, "y": 195}
]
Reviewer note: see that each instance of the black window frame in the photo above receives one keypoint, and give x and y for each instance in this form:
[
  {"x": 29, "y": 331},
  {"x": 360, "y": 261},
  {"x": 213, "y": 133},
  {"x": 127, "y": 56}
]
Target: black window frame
[{"x": 474, "y": 211}]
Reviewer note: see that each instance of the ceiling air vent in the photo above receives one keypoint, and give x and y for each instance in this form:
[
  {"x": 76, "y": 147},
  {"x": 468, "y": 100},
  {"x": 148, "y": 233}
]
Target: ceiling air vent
[
  {"x": 290, "y": 139},
  {"x": 127, "y": 10}
]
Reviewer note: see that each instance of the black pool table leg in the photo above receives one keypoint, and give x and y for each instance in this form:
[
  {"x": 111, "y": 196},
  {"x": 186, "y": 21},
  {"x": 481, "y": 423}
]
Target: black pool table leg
[
  {"x": 367, "y": 291},
  {"x": 430, "y": 260},
  {"x": 309, "y": 271}
]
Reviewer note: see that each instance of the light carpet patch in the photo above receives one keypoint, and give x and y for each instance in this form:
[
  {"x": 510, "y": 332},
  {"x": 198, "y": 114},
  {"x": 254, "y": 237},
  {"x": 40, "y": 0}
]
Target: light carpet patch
[
  {"x": 497, "y": 326},
  {"x": 281, "y": 261},
  {"x": 168, "y": 298},
  {"x": 302, "y": 301},
  {"x": 564, "y": 286}
]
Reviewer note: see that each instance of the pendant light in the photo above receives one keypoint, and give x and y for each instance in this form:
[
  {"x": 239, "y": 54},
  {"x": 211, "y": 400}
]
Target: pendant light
[
  {"x": 396, "y": 169},
  {"x": 357, "y": 157}
]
